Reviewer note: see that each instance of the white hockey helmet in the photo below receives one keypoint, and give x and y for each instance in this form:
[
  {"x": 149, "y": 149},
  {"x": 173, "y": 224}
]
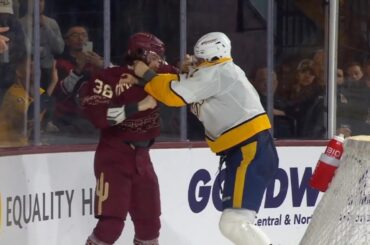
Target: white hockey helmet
[{"x": 213, "y": 45}]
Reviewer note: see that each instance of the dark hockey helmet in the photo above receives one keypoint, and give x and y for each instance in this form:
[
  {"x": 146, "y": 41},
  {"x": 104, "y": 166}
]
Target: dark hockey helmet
[{"x": 141, "y": 44}]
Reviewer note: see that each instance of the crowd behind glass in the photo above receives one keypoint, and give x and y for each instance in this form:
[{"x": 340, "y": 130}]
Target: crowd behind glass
[{"x": 71, "y": 44}]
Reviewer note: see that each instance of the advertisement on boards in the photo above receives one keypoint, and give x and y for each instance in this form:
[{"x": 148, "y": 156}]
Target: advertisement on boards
[{"x": 48, "y": 198}]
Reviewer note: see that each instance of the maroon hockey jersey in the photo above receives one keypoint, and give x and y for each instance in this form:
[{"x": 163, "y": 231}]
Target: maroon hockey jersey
[{"x": 103, "y": 91}]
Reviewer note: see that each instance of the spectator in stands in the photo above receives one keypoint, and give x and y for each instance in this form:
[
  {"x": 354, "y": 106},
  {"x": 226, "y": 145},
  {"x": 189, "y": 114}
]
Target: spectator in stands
[
  {"x": 355, "y": 111},
  {"x": 51, "y": 41},
  {"x": 284, "y": 124},
  {"x": 16, "y": 111},
  {"x": 14, "y": 46},
  {"x": 74, "y": 66},
  {"x": 355, "y": 75},
  {"x": 318, "y": 66},
  {"x": 260, "y": 83},
  {"x": 307, "y": 101},
  {"x": 342, "y": 104},
  {"x": 286, "y": 73}
]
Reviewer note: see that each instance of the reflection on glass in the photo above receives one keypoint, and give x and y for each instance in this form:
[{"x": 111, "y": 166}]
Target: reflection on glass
[
  {"x": 300, "y": 62},
  {"x": 284, "y": 122},
  {"x": 353, "y": 84},
  {"x": 129, "y": 17},
  {"x": 14, "y": 74},
  {"x": 70, "y": 52},
  {"x": 299, "y": 36},
  {"x": 74, "y": 67}
]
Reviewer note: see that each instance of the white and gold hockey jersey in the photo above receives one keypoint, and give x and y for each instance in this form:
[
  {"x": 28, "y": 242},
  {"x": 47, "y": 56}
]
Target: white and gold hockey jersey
[{"x": 222, "y": 98}]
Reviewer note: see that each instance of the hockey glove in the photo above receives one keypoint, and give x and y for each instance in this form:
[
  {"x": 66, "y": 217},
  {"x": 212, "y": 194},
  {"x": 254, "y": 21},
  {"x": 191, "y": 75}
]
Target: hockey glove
[{"x": 116, "y": 115}]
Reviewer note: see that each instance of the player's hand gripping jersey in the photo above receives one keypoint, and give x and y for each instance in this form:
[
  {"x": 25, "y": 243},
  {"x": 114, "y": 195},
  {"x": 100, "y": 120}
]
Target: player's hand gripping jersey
[
  {"x": 104, "y": 91},
  {"x": 214, "y": 88}
]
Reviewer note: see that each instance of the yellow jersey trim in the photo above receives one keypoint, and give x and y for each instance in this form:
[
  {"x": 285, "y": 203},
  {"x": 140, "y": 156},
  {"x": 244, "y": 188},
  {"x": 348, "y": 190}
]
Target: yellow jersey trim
[
  {"x": 160, "y": 88},
  {"x": 240, "y": 133},
  {"x": 248, "y": 154}
]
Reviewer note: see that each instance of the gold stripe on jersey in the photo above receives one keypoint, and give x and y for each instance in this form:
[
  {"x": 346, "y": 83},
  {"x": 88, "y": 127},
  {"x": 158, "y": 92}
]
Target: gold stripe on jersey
[
  {"x": 240, "y": 133},
  {"x": 248, "y": 154},
  {"x": 160, "y": 88}
]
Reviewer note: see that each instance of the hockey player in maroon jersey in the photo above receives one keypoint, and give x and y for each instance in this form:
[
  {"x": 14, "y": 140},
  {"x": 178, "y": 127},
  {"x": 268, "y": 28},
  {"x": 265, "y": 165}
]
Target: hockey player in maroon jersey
[{"x": 129, "y": 123}]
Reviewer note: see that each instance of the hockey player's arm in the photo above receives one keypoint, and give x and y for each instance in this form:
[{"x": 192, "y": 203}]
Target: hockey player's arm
[
  {"x": 116, "y": 115},
  {"x": 158, "y": 85},
  {"x": 160, "y": 88},
  {"x": 96, "y": 103}
]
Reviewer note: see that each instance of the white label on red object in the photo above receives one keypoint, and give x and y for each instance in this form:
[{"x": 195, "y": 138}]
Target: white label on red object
[{"x": 329, "y": 160}]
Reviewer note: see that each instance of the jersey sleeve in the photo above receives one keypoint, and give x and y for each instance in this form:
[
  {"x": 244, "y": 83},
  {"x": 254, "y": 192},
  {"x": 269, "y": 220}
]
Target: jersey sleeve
[
  {"x": 178, "y": 90},
  {"x": 160, "y": 88}
]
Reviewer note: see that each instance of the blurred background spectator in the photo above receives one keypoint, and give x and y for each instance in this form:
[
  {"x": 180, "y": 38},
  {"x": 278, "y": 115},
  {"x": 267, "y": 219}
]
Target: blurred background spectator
[
  {"x": 307, "y": 98},
  {"x": 353, "y": 114},
  {"x": 284, "y": 122},
  {"x": 16, "y": 110},
  {"x": 51, "y": 41},
  {"x": 300, "y": 33},
  {"x": 16, "y": 46},
  {"x": 74, "y": 66}
]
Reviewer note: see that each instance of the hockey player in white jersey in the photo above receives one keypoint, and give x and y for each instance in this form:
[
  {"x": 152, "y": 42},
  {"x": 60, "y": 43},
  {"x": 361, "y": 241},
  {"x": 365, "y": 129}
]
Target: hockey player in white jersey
[{"x": 236, "y": 128}]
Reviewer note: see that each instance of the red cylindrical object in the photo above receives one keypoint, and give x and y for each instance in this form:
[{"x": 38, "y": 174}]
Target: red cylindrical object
[{"x": 327, "y": 164}]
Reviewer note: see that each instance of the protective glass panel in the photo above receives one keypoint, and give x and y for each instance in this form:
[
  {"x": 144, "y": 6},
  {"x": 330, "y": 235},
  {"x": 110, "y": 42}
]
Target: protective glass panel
[
  {"x": 70, "y": 37},
  {"x": 353, "y": 83},
  {"x": 160, "y": 18},
  {"x": 300, "y": 95},
  {"x": 16, "y": 81},
  {"x": 244, "y": 22}
]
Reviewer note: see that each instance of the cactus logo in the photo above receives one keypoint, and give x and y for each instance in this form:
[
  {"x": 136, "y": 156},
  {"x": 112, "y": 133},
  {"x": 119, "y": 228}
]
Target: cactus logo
[{"x": 102, "y": 190}]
